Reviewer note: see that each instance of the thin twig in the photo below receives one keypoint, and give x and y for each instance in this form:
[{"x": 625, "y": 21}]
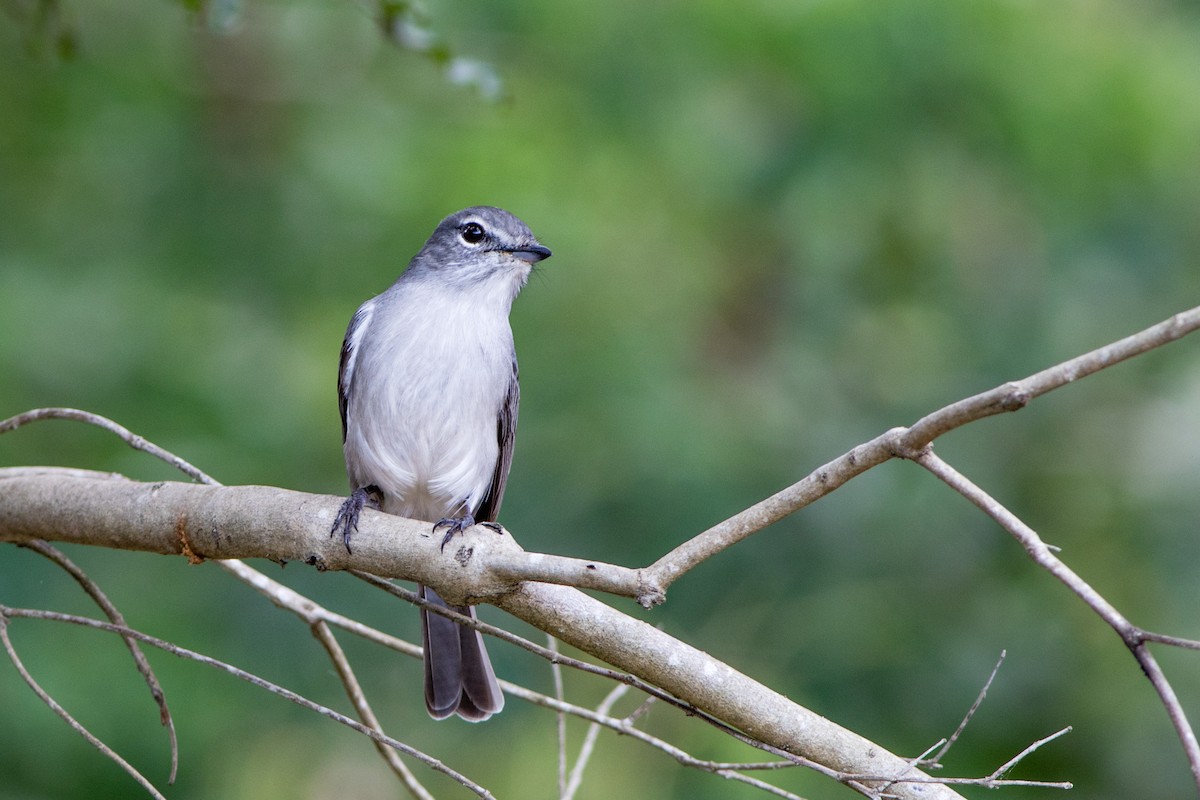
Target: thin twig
[
  {"x": 126, "y": 435},
  {"x": 589, "y": 740},
  {"x": 510, "y": 688},
  {"x": 319, "y": 627},
  {"x": 1133, "y": 637},
  {"x": 1016, "y": 395},
  {"x": 935, "y": 761},
  {"x": 560, "y": 716},
  {"x": 616, "y": 675},
  {"x": 640, "y": 711},
  {"x": 65, "y": 715},
  {"x": 995, "y": 779},
  {"x": 1170, "y": 701},
  {"x": 319, "y": 619},
  {"x": 1012, "y": 762},
  {"x": 354, "y": 690},
  {"x": 114, "y": 615},
  {"x": 1010, "y": 396},
  {"x": 722, "y": 768},
  {"x": 251, "y": 678},
  {"x": 1173, "y": 641},
  {"x": 913, "y": 763},
  {"x": 287, "y": 598},
  {"x": 280, "y": 595},
  {"x": 290, "y": 600}
]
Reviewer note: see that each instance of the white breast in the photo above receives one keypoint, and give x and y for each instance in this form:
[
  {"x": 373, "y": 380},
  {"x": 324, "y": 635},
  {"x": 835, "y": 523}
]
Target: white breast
[{"x": 430, "y": 377}]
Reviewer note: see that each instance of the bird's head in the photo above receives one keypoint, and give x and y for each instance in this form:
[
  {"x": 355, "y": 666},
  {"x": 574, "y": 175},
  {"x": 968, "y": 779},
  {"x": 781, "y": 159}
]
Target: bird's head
[{"x": 477, "y": 246}]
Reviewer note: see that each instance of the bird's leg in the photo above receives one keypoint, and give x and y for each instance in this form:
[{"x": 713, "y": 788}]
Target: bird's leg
[
  {"x": 459, "y": 524},
  {"x": 347, "y": 516}
]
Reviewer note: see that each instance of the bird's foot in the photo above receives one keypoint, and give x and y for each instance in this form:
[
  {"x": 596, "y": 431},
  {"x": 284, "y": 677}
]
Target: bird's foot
[
  {"x": 347, "y": 516},
  {"x": 455, "y": 525}
]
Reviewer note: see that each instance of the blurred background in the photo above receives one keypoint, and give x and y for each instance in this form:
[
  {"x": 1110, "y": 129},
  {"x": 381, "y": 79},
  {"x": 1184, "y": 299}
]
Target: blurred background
[{"x": 779, "y": 228}]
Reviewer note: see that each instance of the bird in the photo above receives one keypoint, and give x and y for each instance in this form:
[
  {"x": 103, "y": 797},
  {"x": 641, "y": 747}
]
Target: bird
[{"x": 428, "y": 390}]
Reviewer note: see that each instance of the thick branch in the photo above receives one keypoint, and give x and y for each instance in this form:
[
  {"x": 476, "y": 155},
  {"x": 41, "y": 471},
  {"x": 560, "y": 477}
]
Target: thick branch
[
  {"x": 219, "y": 522},
  {"x": 705, "y": 682},
  {"x": 262, "y": 522}
]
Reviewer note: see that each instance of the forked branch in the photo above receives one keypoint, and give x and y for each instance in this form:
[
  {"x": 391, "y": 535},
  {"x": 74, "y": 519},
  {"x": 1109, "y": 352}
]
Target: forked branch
[
  {"x": 901, "y": 443},
  {"x": 212, "y": 522}
]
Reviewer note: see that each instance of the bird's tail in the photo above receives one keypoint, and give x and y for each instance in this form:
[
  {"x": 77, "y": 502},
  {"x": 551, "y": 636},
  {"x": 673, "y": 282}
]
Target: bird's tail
[{"x": 459, "y": 678}]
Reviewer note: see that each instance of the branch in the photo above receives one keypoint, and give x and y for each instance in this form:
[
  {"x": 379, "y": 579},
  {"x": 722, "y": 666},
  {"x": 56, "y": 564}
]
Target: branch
[
  {"x": 114, "y": 615},
  {"x": 7, "y": 613},
  {"x": 935, "y": 761},
  {"x": 66, "y": 717},
  {"x": 203, "y": 522},
  {"x": 901, "y": 442},
  {"x": 311, "y": 612},
  {"x": 124, "y": 434},
  {"x": 244, "y": 522},
  {"x": 325, "y": 636},
  {"x": 697, "y": 678},
  {"x": 1133, "y": 636}
]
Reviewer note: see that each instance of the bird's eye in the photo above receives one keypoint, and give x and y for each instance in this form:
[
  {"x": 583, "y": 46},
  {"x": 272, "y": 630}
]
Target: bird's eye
[{"x": 472, "y": 233}]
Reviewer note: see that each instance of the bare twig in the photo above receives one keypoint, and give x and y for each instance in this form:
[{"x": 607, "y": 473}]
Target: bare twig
[
  {"x": 251, "y": 678},
  {"x": 624, "y": 727},
  {"x": 1016, "y": 395},
  {"x": 561, "y": 718},
  {"x": 1173, "y": 641},
  {"x": 900, "y": 442},
  {"x": 319, "y": 619},
  {"x": 560, "y": 612},
  {"x": 126, "y": 435},
  {"x": 63, "y": 713},
  {"x": 731, "y": 770},
  {"x": 310, "y": 611},
  {"x": 354, "y": 690},
  {"x": 633, "y": 681},
  {"x": 935, "y": 761},
  {"x": 995, "y": 779},
  {"x": 1170, "y": 701},
  {"x": 1012, "y": 762},
  {"x": 1133, "y": 636},
  {"x": 640, "y": 711},
  {"x": 589, "y": 739},
  {"x": 287, "y": 597},
  {"x": 114, "y": 615}
]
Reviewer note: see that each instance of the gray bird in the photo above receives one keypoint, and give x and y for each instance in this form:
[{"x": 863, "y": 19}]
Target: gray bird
[{"x": 428, "y": 393}]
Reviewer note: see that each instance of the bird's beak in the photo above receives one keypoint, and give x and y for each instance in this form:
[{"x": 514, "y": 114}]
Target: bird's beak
[{"x": 531, "y": 254}]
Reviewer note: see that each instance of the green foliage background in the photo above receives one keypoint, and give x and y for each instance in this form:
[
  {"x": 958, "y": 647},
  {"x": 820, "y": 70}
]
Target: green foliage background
[{"x": 780, "y": 228}]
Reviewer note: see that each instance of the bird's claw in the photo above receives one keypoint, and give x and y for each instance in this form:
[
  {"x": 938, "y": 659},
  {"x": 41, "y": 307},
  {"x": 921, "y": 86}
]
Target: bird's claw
[
  {"x": 459, "y": 524},
  {"x": 347, "y": 516}
]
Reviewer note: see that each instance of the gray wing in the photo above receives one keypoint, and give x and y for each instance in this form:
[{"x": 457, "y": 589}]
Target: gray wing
[
  {"x": 350, "y": 348},
  {"x": 506, "y": 433}
]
